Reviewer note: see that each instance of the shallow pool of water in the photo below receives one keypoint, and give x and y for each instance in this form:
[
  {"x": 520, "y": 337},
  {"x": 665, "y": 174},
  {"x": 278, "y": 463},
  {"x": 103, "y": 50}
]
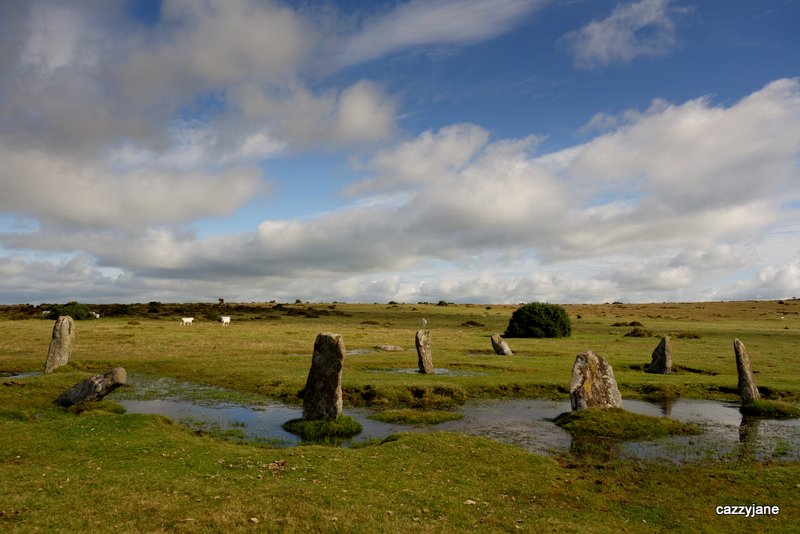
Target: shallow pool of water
[{"x": 526, "y": 423}]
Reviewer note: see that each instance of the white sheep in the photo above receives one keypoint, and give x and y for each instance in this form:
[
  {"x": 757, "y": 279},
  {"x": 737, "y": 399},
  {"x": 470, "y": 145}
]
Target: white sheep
[
  {"x": 187, "y": 321},
  {"x": 424, "y": 322},
  {"x": 225, "y": 320}
]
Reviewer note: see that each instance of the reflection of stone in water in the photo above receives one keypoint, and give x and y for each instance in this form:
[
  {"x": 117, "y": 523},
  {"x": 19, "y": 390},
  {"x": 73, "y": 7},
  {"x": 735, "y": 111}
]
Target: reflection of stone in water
[
  {"x": 666, "y": 406},
  {"x": 748, "y": 437},
  {"x": 592, "y": 448}
]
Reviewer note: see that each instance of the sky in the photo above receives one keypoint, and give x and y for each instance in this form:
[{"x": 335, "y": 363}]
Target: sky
[{"x": 485, "y": 151}]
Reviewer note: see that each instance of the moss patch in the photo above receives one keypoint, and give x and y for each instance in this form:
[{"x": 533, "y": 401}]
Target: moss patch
[
  {"x": 769, "y": 408},
  {"x": 325, "y": 429},
  {"x": 415, "y": 417},
  {"x": 619, "y": 424}
]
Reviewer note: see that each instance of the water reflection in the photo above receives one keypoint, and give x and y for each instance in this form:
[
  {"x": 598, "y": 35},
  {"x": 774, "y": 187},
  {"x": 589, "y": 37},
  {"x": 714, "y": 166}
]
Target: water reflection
[{"x": 526, "y": 423}]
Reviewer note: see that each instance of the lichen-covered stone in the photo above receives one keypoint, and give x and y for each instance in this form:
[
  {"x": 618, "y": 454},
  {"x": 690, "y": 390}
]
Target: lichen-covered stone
[
  {"x": 661, "y": 362},
  {"x": 747, "y": 385},
  {"x": 423, "y": 344},
  {"x": 93, "y": 388},
  {"x": 500, "y": 346},
  {"x": 593, "y": 383},
  {"x": 60, "y": 344},
  {"x": 322, "y": 396}
]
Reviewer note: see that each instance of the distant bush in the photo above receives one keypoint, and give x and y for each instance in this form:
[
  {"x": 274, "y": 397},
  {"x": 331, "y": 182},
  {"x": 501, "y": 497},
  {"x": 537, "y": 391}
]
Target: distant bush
[
  {"x": 76, "y": 310},
  {"x": 539, "y": 319},
  {"x": 638, "y": 331}
]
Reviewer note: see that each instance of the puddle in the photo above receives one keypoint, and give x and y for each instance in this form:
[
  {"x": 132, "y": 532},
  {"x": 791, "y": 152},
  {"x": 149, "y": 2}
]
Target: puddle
[
  {"x": 22, "y": 375},
  {"x": 522, "y": 422}
]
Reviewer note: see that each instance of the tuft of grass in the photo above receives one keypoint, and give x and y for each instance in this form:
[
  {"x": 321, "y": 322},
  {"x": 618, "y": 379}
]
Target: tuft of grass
[
  {"x": 769, "y": 408},
  {"x": 638, "y": 331},
  {"x": 621, "y": 425},
  {"x": 415, "y": 417},
  {"x": 323, "y": 430},
  {"x": 99, "y": 406}
]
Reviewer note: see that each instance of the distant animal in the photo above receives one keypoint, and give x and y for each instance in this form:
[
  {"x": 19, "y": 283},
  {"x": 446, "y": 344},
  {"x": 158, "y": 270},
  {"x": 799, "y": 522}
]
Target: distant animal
[
  {"x": 225, "y": 320},
  {"x": 187, "y": 321},
  {"x": 95, "y": 315},
  {"x": 424, "y": 322}
]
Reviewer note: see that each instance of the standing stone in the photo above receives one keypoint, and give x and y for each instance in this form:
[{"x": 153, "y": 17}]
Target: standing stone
[
  {"x": 423, "y": 343},
  {"x": 322, "y": 396},
  {"x": 747, "y": 385},
  {"x": 593, "y": 383},
  {"x": 60, "y": 344},
  {"x": 661, "y": 363},
  {"x": 500, "y": 346},
  {"x": 93, "y": 388}
]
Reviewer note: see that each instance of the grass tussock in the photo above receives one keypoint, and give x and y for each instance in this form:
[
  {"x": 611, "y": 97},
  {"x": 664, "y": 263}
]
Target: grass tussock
[
  {"x": 769, "y": 408},
  {"x": 621, "y": 425},
  {"x": 415, "y": 417},
  {"x": 324, "y": 430}
]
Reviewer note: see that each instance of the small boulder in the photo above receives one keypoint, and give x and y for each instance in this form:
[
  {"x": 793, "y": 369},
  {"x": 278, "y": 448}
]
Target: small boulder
[
  {"x": 423, "y": 344},
  {"x": 748, "y": 391},
  {"x": 661, "y": 362},
  {"x": 60, "y": 344},
  {"x": 593, "y": 383},
  {"x": 93, "y": 388},
  {"x": 322, "y": 396},
  {"x": 389, "y": 348},
  {"x": 500, "y": 346}
]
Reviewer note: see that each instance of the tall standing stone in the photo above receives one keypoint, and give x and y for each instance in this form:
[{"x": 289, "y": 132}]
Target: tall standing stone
[
  {"x": 60, "y": 344},
  {"x": 93, "y": 388},
  {"x": 661, "y": 362},
  {"x": 500, "y": 346},
  {"x": 423, "y": 343},
  {"x": 593, "y": 383},
  {"x": 747, "y": 384},
  {"x": 322, "y": 396}
]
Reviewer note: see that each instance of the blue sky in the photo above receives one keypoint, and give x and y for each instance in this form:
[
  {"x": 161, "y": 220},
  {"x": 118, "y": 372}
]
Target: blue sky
[{"x": 472, "y": 151}]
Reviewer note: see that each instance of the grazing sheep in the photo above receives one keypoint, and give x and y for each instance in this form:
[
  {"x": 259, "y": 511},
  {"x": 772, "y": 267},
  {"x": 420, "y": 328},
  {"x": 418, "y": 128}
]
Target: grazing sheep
[
  {"x": 225, "y": 320},
  {"x": 186, "y": 321},
  {"x": 424, "y": 322}
]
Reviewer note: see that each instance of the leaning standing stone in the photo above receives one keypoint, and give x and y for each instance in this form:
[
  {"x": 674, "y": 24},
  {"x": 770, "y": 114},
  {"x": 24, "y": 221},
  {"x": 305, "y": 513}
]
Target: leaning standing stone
[
  {"x": 661, "y": 363},
  {"x": 93, "y": 388},
  {"x": 60, "y": 344},
  {"x": 322, "y": 396},
  {"x": 593, "y": 383},
  {"x": 747, "y": 384},
  {"x": 423, "y": 343},
  {"x": 500, "y": 346}
]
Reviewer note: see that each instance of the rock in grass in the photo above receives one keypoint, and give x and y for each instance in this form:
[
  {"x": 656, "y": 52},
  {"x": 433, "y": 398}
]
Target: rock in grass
[
  {"x": 500, "y": 346},
  {"x": 60, "y": 344},
  {"x": 389, "y": 348},
  {"x": 593, "y": 383},
  {"x": 93, "y": 388},
  {"x": 661, "y": 362},
  {"x": 748, "y": 391},
  {"x": 423, "y": 344},
  {"x": 322, "y": 396}
]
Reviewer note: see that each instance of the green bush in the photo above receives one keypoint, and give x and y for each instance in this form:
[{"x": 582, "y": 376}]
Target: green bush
[
  {"x": 539, "y": 319},
  {"x": 76, "y": 310}
]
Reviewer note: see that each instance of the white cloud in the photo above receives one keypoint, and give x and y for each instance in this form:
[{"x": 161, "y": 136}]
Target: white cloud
[
  {"x": 637, "y": 29},
  {"x": 437, "y": 22}
]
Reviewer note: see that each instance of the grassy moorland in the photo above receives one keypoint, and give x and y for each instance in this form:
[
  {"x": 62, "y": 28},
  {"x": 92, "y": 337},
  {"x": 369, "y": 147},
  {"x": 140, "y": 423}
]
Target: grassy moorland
[{"x": 98, "y": 470}]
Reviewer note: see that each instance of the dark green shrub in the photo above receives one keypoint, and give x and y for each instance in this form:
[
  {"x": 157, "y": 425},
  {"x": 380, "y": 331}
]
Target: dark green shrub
[
  {"x": 76, "y": 310},
  {"x": 539, "y": 319}
]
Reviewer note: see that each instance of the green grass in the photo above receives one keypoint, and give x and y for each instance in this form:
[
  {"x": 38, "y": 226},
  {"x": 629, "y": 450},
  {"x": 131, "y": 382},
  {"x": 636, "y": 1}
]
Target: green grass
[
  {"x": 324, "y": 430},
  {"x": 138, "y": 473},
  {"x": 768, "y": 408},
  {"x": 622, "y": 425},
  {"x": 415, "y": 417}
]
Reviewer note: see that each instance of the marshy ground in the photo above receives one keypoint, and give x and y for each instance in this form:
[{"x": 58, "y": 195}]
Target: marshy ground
[{"x": 134, "y": 472}]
